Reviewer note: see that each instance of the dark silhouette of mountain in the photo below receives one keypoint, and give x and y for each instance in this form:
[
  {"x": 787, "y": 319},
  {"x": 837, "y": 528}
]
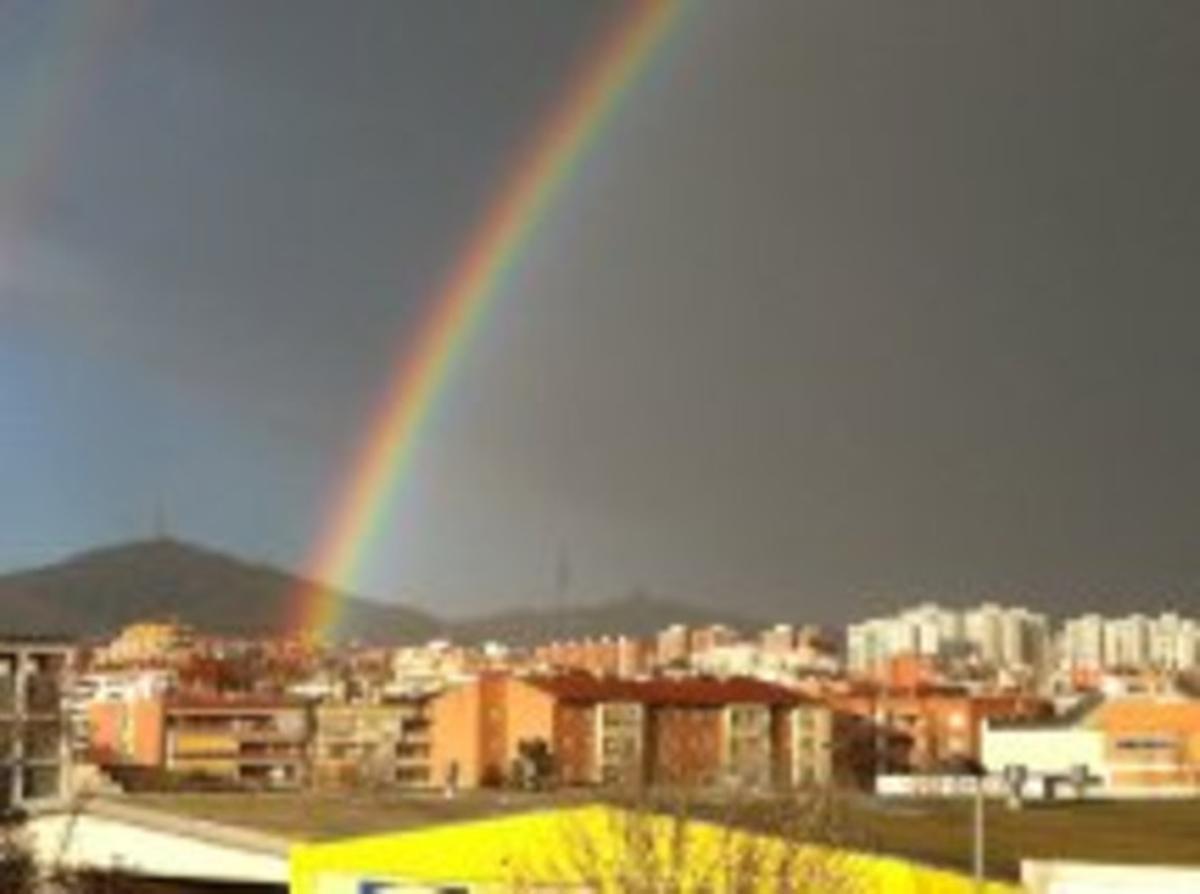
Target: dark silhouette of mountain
[
  {"x": 96, "y": 593},
  {"x": 93, "y": 594},
  {"x": 635, "y": 615}
]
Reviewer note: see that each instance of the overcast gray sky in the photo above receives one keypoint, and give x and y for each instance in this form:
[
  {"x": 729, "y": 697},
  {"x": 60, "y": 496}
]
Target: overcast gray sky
[{"x": 851, "y": 301}]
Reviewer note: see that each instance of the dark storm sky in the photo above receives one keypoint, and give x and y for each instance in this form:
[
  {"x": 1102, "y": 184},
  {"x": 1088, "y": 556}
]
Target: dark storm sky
[{"x": 851, "y": 302}]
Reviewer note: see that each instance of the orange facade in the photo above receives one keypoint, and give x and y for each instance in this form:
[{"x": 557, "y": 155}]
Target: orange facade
[
  {"x": 1151, "y": 742},
  {"x": 127, "y": 732},
  {"x": 606, "y": 657},
  {"x": 937, "y": 726},
  {"x": 599, "y": 730}
]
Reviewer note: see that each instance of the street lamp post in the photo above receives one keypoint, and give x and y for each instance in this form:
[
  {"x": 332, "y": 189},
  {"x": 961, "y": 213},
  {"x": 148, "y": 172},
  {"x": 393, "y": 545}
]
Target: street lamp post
[{"x": 979, "y": 835}]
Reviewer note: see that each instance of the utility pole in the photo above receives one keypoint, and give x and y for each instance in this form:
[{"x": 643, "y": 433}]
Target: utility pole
[
  {"x": 161, "y": 525},
  {"x": 979, "y": 844}
]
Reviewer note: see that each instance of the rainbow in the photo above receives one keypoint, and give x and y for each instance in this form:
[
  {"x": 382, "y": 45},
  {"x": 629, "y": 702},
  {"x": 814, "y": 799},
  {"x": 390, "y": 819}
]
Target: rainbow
[{"x": 456, "y": 309}]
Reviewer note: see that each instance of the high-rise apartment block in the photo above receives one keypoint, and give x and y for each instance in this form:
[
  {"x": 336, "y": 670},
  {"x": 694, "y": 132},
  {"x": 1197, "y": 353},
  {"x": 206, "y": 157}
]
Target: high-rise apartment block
[
  {"x": 996, "y": 636},
  {"x": 1095, "y": 643}
]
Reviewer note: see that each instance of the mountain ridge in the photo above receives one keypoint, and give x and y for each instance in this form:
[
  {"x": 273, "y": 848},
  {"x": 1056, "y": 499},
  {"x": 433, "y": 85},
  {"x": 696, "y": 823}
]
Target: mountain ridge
[{"x": 94, "y": 593}]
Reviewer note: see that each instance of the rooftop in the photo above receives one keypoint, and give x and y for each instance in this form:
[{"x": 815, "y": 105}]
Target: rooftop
[
  {"x": 317, "y": 816},
  {"x": 696, "y": 692},
  {"x": 25, "y": 640}
]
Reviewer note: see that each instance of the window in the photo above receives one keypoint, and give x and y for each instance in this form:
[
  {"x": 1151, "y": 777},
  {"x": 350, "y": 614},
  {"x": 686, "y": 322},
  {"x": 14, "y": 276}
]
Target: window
[{"x": 1144, "y": 743}]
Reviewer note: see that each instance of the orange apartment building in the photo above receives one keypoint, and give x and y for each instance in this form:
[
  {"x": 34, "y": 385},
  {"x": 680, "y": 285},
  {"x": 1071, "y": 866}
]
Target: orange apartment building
[
  {"x": 620, "y": 656},
  {"x": 241, "y": 741},
  {"x": 927, "y": 728},
  {"x": 612, "y": 731}
]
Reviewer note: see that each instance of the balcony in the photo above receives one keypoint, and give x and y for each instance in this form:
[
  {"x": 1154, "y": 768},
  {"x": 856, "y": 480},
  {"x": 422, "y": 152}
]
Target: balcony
[
  {"x": 43, "y": 695},
  {"x": 8, "y": 740},
  {"x": 269, "y": 760},
  {"x": 43, "y": 741},
  {"x": 239, "y": 732},
  {"x": 41, "y": 783}
]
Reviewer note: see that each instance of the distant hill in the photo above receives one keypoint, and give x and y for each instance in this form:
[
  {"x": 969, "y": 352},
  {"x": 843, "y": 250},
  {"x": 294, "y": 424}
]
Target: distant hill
[
  {"x": 634, "y": 615},
  {"x": 96, "y": 593}
]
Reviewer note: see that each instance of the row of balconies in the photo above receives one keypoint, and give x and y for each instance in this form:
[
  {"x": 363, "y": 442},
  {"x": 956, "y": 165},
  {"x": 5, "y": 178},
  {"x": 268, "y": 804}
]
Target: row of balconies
[
  {"x": 244, "y": 733},
  {"x": 41, "y": 740},
  {"x": 42, "y": 695},
  {"x": 399, "y": 739}
]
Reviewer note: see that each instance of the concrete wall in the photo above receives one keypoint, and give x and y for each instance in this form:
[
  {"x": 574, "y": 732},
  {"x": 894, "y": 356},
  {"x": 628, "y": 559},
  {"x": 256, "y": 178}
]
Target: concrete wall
[
  {"x": 74, "y": 841},
  {"x": 1054, "y": 877},
  {"x": 1044, "y": 751}
]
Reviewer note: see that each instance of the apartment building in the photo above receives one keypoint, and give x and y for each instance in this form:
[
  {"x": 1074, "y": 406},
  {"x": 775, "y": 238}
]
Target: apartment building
[
  {"x": 620, "y": 656},
  {"x": 103, "y": 707},
  {"x": 148, "y": 643},
  {"x": 1093, "y": 643},
  {"x": 1081, "y": 644},
  {"x": 713, "y": 636},
  {"x": 926, "y": 630},
  {"x": 608, "y": 731},
  {"x": 674, "y": 645},
  {"x": 927, "y": 729},
  {"x": 246, "y": 741},
  {"x": 749, "y": 659},
  {"x": 798, "y": 646},
  {"x": 384, "y": 743},
  {"x": 991, "y": 636},
  {"x": 35, "y": 752}
]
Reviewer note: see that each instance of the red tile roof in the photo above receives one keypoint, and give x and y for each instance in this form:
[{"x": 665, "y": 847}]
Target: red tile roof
[
  {"x": 203, "y": 702},
  {"x": 696, "y": 691}
]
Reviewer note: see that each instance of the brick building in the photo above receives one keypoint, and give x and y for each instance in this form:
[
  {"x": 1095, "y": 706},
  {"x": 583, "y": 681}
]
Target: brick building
[
  {"x": 609, "y": 731},
  {"x": 924, "y": 728}
]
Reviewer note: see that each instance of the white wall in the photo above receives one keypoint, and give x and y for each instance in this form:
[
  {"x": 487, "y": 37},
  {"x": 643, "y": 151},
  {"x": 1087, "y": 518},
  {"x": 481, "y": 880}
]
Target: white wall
[
  {"x": 107, "y": 843},
  {"x": 1044, "y": 751},
  {"x": 1053, "y": 877}
]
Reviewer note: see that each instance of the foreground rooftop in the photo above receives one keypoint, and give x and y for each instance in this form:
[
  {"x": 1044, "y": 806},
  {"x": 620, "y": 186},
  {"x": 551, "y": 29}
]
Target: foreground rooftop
[{"x": 317, "y": 816}]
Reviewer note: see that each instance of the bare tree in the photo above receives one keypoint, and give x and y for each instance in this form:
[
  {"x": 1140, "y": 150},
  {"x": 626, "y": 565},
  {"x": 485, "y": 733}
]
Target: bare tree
[{"x": 687, "y": 842}]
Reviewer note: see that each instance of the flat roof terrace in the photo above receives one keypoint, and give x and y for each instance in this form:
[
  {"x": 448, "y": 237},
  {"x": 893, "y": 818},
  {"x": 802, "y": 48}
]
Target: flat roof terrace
[{"x": 319, "y": 816}]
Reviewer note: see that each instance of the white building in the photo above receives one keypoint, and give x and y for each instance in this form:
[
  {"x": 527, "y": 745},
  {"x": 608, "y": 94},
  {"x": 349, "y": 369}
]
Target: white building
[
  {"x": 1081, "y": 644},
  {"x": 1095, "y": 643},
  {"x": 1000, "y": 637}
]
